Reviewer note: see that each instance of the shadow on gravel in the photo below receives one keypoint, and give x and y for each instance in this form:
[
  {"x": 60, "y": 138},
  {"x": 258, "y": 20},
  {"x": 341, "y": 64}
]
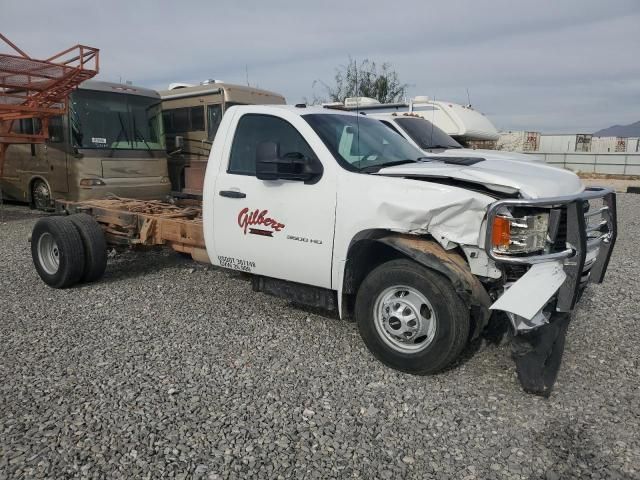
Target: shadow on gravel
[
  {"x": 132, "y": 264},
  {"x": 12, "y": 211}
]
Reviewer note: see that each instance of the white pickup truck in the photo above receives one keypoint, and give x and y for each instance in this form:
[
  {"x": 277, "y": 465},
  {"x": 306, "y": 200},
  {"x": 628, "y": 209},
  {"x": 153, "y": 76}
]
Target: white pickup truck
[
  {"x": 423, "y": 134},
  {"x": 336, "y": 210}
]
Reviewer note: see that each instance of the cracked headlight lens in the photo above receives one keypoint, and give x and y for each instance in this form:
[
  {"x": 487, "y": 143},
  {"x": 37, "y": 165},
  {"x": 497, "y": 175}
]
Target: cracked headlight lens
[{"x": 513, "y": 235}]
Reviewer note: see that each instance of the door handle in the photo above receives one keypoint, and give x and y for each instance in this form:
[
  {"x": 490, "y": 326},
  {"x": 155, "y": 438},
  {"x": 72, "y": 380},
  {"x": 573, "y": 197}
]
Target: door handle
[{"x": 232, "y": 194}]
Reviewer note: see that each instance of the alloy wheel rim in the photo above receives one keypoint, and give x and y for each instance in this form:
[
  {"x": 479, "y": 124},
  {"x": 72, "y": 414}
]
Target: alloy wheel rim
[
  {"x": 48, "y": 254},
  {"x": 41, "y": 196},
  {"x": 405, "y": 319}
]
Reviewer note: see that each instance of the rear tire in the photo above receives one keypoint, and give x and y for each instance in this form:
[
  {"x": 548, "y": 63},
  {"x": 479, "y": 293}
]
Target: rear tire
[
  {"x": 411, "y": 318},
  {"x": 95, "y": 246},
  {"x": 57, "y": 251}
]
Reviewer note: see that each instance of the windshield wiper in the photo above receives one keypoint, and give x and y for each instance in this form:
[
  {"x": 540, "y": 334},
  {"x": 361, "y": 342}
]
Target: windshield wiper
[
  {"x": 120, "y": 133},
  {"x": 138, "y": 136}
]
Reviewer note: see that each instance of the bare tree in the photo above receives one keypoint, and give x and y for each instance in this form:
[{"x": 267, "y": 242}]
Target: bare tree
[{"x": 365, "y": 79}]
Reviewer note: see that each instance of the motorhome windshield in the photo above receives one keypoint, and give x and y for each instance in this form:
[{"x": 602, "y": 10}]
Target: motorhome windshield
[
  {"x": 115, "y": 121},
  {"x": 426, "y": 134},
  {"x": 361, "y": 143}
]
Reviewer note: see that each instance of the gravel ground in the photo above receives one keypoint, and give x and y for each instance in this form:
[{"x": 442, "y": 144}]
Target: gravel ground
[{"x": 167, "y": 368}]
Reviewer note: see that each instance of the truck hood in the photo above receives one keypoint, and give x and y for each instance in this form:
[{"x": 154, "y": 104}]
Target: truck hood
[{"x": 502, "y": 175}]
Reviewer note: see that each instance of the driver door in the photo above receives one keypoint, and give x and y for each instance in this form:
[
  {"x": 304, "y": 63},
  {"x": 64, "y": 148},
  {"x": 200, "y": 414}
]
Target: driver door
[{"x": 276, "y": 228}]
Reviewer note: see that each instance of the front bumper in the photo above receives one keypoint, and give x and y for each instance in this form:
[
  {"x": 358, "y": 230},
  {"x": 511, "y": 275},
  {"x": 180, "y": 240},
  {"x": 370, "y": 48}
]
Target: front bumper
[{"x": 589, "y": 236}]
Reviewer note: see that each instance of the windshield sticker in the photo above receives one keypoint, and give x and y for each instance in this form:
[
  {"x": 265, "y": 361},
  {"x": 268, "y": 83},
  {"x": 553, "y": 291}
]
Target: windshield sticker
[
  {"x": 260, "y": 218},
  {"x": 98, "y": 140}
]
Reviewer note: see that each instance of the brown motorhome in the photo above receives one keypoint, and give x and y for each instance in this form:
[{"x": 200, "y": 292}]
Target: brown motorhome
[
  {"x": 111, "y": 142},
  {"x": 191, "y": 118}
]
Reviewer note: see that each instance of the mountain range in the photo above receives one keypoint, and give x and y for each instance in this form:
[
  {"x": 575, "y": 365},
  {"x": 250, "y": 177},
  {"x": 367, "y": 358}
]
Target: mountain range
[{"x": 631, "y": 130}]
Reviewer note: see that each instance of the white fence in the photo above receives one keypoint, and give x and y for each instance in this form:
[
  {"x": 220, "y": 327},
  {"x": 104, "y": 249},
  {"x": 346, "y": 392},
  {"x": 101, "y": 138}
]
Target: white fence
[{"x": 606, "y": 163}]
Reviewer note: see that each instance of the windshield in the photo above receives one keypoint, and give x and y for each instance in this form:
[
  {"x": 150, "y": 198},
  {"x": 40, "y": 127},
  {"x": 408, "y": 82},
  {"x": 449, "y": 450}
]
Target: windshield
[
  {"x": 426, "y": 134},
  {"x": 361, "y": 143},
  {"x": 115, "y": 121}
]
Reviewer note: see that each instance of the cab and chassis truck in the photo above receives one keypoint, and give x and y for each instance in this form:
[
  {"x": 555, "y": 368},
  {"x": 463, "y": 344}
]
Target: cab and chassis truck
[{"x": 335, "y": 210}]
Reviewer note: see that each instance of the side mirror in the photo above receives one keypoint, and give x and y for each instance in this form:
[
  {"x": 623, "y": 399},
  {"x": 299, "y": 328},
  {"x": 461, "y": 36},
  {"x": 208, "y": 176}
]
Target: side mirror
[
  {"x": 179, "y": 142},
  {"x": 292, "y": 166}
]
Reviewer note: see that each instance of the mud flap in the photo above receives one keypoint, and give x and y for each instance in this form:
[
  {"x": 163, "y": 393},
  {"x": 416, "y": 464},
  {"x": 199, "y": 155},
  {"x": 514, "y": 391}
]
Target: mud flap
[{"x": 538, "y": 355}]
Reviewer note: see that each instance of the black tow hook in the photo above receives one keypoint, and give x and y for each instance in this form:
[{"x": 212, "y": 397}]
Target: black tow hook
[{"x": 538, "y": 355}]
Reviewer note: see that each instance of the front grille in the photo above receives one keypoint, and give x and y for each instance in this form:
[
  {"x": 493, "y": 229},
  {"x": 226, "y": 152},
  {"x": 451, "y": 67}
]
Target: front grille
[
  {"x": 595, "y": 219},
  {"x": 560, "y": 242}
]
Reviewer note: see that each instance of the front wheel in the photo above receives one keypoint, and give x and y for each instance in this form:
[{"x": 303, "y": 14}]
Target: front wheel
[
  {"x": 40, "y": 195},
  {"x": 411, "y": 318}
]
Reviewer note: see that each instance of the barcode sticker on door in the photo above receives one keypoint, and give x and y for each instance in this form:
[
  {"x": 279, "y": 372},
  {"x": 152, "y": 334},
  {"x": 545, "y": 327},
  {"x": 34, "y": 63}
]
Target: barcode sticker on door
[{"x": 98, "y": 140}]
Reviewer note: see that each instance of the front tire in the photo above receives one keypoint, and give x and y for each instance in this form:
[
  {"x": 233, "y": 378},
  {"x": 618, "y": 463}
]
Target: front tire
[
  {"x": 411, "y": 318},
  {"x": 57, "y": 251},
  {"x": 40, "y": 195}
]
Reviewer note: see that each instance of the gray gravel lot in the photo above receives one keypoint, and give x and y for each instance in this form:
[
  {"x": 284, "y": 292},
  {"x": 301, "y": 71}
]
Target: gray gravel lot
[{"x": 167, "y": 368}]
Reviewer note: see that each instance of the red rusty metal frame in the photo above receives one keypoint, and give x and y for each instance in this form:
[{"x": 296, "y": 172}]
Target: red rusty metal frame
[{"x": 32, "y": 88}]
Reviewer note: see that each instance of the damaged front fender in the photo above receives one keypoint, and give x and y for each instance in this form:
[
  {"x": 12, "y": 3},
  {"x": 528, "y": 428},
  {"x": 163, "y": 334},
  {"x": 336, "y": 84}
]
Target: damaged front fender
[{"x": 451, "y": 265}]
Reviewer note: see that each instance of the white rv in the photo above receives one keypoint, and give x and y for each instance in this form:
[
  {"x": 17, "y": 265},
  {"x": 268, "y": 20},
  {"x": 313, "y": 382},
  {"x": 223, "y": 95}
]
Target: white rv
[
  {"x": 465, "y": 124},
  {"x": 432, "y": 140}
]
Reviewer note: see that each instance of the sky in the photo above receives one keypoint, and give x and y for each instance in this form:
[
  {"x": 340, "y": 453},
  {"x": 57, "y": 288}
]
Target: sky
[{"x": 553, "y": 66}]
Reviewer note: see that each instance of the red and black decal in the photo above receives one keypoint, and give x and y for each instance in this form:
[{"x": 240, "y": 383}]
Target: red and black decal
[{"x": 249, "y": 220}]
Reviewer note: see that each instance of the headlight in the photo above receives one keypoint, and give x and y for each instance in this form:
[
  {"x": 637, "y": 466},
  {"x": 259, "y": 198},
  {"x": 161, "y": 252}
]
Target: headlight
[
  {"x": 525, "y": 234},
  {"x": 91, "y": 182}
]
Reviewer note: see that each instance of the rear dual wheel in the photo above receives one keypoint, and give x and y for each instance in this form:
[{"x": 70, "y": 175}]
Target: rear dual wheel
[
  {"x": 95, "y": 246},
  {"x": 68, "y": 250}
]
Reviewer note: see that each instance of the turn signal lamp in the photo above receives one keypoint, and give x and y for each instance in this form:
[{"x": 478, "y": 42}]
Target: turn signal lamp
[
  {"x": 91, "y": 182},
  {"x": 526, "y": 234}
]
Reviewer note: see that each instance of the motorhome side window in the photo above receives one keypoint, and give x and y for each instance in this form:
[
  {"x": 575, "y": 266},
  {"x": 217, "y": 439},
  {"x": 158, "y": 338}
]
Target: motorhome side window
[
  {"x": 253, "y": 130},
  {"x": 183, "y": 120}
]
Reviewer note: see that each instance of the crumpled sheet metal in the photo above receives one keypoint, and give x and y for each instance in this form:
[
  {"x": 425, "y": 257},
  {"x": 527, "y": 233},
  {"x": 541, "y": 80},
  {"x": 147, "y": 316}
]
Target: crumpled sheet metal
[
  {"x": 452, "y": 266},
  {"x": 449, "y": 219},
  {"x": 531, "y": 292}
]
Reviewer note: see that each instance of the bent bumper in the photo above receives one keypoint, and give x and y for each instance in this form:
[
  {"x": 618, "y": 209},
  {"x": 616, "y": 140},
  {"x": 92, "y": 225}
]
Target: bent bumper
[{"x": 560, "y": 275}]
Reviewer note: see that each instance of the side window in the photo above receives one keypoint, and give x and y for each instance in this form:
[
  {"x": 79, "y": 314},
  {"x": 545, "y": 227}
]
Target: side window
[
  {"x": 183, "y": 120},
  {"x": 197, "y": 118},
  {"x": 180, "y": 120},
  {"x": 214, "y": 116},
  {"x": 253, "y": 130},
  {"x": 56, "y": 130}
]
